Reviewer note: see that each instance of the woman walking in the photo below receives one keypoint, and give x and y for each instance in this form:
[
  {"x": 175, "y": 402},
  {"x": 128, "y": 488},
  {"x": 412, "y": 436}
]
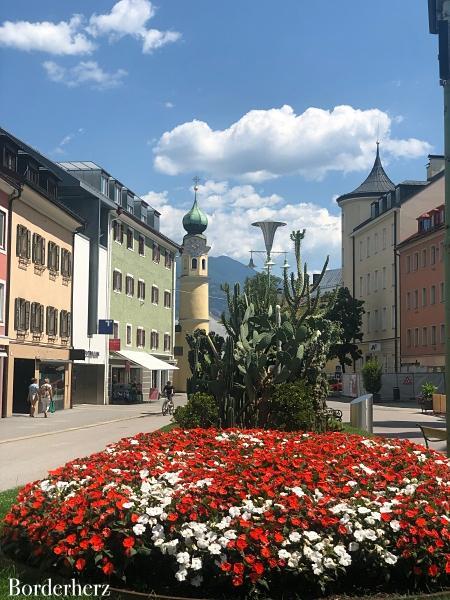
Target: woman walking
[
  {"x": 33, "y": 395},
  {"x": 46, "y": 394}
]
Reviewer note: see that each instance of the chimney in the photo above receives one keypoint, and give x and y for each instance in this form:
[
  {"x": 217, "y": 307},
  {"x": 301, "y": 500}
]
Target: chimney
[{"x": 435, "y": 165}]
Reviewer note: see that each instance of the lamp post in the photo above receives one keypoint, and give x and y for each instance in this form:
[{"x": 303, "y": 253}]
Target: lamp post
[{"x": 439, "y": 22}]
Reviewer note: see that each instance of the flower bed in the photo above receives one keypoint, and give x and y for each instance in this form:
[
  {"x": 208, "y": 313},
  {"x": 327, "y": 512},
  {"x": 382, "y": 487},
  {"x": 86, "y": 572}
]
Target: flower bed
[{"x": 230, "y": 511}]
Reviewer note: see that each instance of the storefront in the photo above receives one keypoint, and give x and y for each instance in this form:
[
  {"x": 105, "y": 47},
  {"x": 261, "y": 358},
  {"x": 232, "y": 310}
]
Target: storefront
[{"x": 136, "y": 376}]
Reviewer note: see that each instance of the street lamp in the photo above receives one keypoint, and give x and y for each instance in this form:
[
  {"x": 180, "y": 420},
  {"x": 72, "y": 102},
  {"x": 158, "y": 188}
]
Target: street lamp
[{"x": 439, "y": 22}]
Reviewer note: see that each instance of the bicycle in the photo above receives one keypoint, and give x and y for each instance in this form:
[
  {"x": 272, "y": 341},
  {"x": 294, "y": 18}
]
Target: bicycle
[{"x": 168, "y": 406}]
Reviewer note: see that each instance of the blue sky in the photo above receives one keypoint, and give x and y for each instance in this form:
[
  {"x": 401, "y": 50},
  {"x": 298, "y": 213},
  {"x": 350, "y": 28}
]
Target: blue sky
[{"x": 90, "y": 89}]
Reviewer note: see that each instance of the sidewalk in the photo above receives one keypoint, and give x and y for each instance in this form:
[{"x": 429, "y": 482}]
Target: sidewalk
[
  {"x": 396, "y": 420},
  {"x": 29, "y": 448}
]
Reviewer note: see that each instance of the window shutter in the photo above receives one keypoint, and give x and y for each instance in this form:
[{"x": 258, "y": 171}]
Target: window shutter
[
  {"x": 28, "y": 234},
  {"x": 56, "y": 322},
  {"x": 57, "y": 259},
  {"x": 121, "y": 233},
  {"x": 69, "y": 324},
  {"x": 42, "y": 251},
  {"x": 41, "y": 318},
  {"x": 120, "y": 281},
  {"x": 33, "y": 316},
  {"x": 47, "y": 324},
  {"x": 61, "y": 323},
  {"x": 69, "y": 264},
  {"x": 34, "y": 247},
  {"x": 27, "y": 315},
  {"x": 18, "y": 240},
  {"x": 49, "y": 257},
  {"x": 16, "y": 313}
]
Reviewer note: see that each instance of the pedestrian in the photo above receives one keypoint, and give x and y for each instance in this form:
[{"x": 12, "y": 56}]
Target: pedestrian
[
  {"x": 46, "y": 394},
  {"x": 33, "y": 395}
]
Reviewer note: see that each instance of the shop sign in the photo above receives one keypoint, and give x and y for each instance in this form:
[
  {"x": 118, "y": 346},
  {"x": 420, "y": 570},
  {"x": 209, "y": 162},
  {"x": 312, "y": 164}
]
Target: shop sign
[
  {"x": 114, "y": 345},
  {"x": 92, "y": 354}
]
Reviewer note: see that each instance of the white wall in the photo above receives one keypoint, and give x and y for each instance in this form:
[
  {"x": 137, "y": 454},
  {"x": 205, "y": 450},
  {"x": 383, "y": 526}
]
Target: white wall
[{"x": 80, "y": 300}]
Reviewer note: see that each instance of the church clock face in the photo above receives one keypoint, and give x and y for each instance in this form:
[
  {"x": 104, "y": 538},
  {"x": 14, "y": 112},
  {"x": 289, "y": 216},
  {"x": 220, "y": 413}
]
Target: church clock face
[{"x": 195, "y": 246}]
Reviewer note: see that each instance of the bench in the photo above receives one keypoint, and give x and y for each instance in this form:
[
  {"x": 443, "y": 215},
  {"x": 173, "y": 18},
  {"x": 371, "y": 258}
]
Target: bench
[{"x": 432, "y": 434}]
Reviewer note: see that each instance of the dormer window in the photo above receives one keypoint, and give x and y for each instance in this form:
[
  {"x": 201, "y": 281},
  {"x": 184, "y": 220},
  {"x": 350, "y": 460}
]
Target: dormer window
[
  {"x": 130, "y": 204},
  {"x": 51, "y": 188},
  {"x": 32, "y": 174},
  {"x": 9, "y": 159},
  {"x": 117, "y": 194},
  {"x": 104, "y": 185}
]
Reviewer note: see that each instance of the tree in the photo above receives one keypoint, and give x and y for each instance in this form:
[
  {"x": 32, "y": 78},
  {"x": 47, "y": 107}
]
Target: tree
[{"x": 347, "y": 311}]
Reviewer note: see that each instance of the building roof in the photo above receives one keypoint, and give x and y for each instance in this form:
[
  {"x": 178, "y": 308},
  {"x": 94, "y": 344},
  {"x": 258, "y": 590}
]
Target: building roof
[
  {"x": 331, "y": 280},
  {"x": 375, "y": 184},
  {"x": 195, "y": 221}
]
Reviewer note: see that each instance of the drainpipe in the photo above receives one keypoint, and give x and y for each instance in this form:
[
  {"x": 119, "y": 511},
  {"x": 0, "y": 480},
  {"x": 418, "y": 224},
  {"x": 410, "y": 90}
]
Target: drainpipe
[
  {"x": 14, "y": 196},
  {"x": 74, "y": 233}
]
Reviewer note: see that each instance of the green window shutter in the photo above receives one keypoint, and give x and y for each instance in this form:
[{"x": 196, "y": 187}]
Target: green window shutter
[
  {"x": 17, "y": 314},
  {"x": 69, "y": 324},
  {"x": 28, "y": 238},
  {"x": 19, "y": 240},
  {"x": 34, "y": 247},
  {"x": 41, "y": 318},
  {"x": 57, "y": 258},
  {"x": 47, "y": 324},
  {"x": 69, "y": 264},
  {"x": 33, "y": 317},
  {"x": 56, "y": 322},
  {"x": 27, "y": 315}
]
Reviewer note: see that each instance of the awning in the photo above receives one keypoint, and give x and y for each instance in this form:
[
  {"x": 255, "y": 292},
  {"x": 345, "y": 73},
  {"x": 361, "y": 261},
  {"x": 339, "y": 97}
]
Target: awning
[{"x": 146, "y": 360}]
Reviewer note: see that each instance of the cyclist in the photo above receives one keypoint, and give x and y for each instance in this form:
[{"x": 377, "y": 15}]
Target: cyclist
[{"x": 168, "y": 402}]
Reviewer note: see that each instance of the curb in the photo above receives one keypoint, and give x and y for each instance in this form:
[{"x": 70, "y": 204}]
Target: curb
[{"x": 45, "y": 433}]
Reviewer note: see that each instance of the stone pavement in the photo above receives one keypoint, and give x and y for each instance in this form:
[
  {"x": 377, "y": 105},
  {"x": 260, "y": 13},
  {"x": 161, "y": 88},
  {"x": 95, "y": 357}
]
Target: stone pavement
[
  {"x": 396, "y": 420},
  {"x": 29, "y": 448}
]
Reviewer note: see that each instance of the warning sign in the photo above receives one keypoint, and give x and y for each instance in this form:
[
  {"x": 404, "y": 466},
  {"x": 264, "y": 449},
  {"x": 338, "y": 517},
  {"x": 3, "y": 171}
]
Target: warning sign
[{"x": 407, "y": 380}]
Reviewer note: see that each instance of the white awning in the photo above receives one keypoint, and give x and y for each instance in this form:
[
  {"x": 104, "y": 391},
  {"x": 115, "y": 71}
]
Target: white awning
[{"x": 146, "y": 360}]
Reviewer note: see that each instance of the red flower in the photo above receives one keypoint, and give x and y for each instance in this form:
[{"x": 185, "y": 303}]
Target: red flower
[
  {"x": 129, "y": 542},
  {"x": 108, "y": 568},
  {"x": 80, "y": 564},
  {"x": 433, "y": 570}
]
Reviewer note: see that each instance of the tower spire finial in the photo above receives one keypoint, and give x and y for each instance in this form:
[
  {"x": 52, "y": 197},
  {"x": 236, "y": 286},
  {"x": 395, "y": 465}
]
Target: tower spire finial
[{"x": 196, "y": 181}]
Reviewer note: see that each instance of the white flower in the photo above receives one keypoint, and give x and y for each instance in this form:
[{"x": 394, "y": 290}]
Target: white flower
[
  {"x": 139, "y": 529},
  {"x": 329, "y": 563},
  {"x": 183, "y": 558},
  {"x": 284, "y": 554},
  {"x": 181, "y": 574},
  {"x": 128, "y": 504},
  {"x": 143, "y": 473},
  {"x": 353, "y": 546},
  {"x": 145, "y": 487},
  {"x": 363, "y": 510},
  {"x": 196, "y": 564},
  {"x": 295, "y": 536},
  {"x": 352, "y": 483},
  {"x": 234, "y": 511},
  {"x": 298, "y": 491},
  {"x": 390, "y": 558},
  {"x": 134, "y": 442},
  {"x": 214, "y": 548},
  {"x": 312, "y": 536},
  {"x": 230, "y": 534},
  {"x": 395, "y": 525}
]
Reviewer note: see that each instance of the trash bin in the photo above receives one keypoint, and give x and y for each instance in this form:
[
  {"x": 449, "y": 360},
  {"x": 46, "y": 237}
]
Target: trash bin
[
  {"x": 361, "y": 412},
  {"x": 396, "y": 393}
]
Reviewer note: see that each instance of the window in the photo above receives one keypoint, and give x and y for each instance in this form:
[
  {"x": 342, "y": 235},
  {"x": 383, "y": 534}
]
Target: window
[
  {"x": 52, "y": 188},
  {"x": 442, "y": 291},
  {"x": 368, "y": 283},
  {"x": 384, "y": 319},
  {"x": 384, "y": 239},
  {"x": 368, "y": 321},
  {"x": 433, "y": 255},
  {"x": 408, "y": 300},
  {"x": 2, "y": 230},
  {"x": 32, "y": 174},
  {"x": 2, "y": 302},
  {"x": 52, "y": 321},
  {"x": 442, "y": 333},
  {"x": 130, "y": 239},
  {"x": 416, "y": 261},
  {"x": 408, "y": 264},
  {"x": 66, "y": 263},
  {"x": 129, "y": 285},
  {"x": 392, "y": 234},
  {"x": 424, "y": 258},
  {"x": 141, "y": 289},
  {"x": 375, "y": 243},
  {"x": 65, "y": 324},
  {"x": 393, "y": 274},
  {"x": 118, "y": 231},
  {"x": 141, "y": 245},
  {"x": 154, "y": 340},
  {"x": 408, "y": 338},
  {"x": 375, "y": 320},
  {"x": 9, "y": 159},
  {"x": 53, "y": 257},
  {"x": 416, "y": 299},
  {"x": 129, "y": 335},
  {"x": 130, "y": 204},
  {"x": 37, "y": 318},
  {"x": 155, "y": 294},
  {"x": 433, "y": 335},
  {"x": 433, "y": 294},
  {"x": 416, "y": 337},
  {"x": 117, "y": 194},
  {"x": 204, "y": 264},
  {"x": 116, "y": 333},
  {"x": 194, "y": 263},
  {"x": 140, "y": 337},
  {"x": 361, "y": 286},
  {"x": 167, "y": 299},
  {"x": 104, "y": 185},
  {"x": 360, "y": 250},
  {"x": 384, "y": 278},
  {"x": 38, "y": 251},
  {"x": 156, "y": 253},
  {"x": 368, "y": 247},
  {"x": 23, "y": 242},
  {"x": 168, "y": 259},
  {"x": 167, "y": 344},
  {"x": 21, "y": 315},
  {"x": 424, "y": 336},
  {"x": 117, "y": 281},
  {"x": 393, "y": 316},
  {"x": 424, "y": 296},
  {"x": 375, "y": 281}
]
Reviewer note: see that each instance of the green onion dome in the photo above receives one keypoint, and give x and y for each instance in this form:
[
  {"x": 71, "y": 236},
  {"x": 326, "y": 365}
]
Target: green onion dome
[{"x": 195, "y": 221}]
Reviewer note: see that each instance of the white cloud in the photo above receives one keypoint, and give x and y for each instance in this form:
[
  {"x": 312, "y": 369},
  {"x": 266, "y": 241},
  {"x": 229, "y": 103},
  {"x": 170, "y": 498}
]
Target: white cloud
[
  {"x": 63, "y": 38},
  {"x": 264, "y": 144},
  {"x": 129, "y": 17},
  {"x": 232, "y": 209},
  {"x": 85, "y": 72},
  {"x": 60, "y": 148},
  {"x": 169, "y": 104}
]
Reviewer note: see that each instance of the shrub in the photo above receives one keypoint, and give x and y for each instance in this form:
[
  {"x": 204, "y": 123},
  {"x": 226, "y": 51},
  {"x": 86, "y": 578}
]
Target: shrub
[
  {"x": 428, "y": 389},
  {"x": 292, "y": 407},
  {"x": 371, "y": 374},
  {"x": 200, "y": 411}
]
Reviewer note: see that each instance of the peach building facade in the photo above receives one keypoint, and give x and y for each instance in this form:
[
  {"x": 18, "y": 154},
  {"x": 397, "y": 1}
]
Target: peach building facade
[{"x": 422, "y": 293}]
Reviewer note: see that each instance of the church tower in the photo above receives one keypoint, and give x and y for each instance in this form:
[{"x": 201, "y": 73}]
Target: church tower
[{"x": 193, "y": 287}]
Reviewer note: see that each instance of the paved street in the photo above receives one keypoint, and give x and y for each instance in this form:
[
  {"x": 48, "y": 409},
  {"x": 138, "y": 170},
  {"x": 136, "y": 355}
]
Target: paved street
[
  {"x": 31, "y": 447},
  {"x": 396, "y": 421}
]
